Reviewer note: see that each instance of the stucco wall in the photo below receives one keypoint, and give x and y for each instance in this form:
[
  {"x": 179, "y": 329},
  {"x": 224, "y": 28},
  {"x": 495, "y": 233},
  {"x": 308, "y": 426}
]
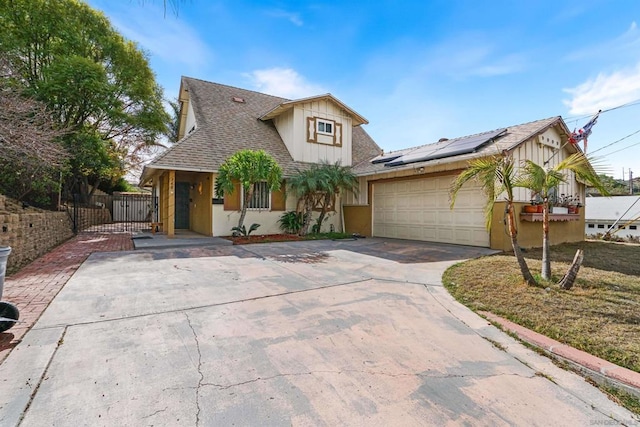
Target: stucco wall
[
  {"x": 224, "y": 221},
  {"x": 357, "y": 219},
  {"x": 530, "y": 233}
]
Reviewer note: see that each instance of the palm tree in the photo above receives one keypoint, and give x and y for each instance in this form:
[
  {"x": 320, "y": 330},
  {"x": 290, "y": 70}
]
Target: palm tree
[
  {"x": 336, "y": 179},
  {"x": 543, "y": 182},
  {"x": 248, "y": 167},
  {"x": 307, "y": 185},
  {"x": 497, "y": 176}
]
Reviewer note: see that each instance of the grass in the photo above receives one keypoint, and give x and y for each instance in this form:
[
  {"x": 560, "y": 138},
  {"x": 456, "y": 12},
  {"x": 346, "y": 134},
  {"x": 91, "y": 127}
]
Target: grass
[{"x": 600, "y": 315}]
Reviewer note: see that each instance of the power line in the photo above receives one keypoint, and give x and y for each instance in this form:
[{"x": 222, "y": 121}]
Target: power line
[
  {"x": 613, "y": 152},
  {"x": 628, "y": 104},
  {"x": 615, "y": 142}
]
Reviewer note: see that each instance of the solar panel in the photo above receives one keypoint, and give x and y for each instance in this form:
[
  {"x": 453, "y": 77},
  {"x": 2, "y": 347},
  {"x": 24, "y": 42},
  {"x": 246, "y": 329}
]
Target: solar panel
[
  {"x": 414, "y": 156},
  {"x": 386, "y": 158},
  {"x": 444, "y": 149}
]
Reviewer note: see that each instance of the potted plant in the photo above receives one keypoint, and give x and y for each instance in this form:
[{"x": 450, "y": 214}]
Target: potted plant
[
  {"x": 536, "y": 204},
  {"x": 574, "y": 205},
  {"x": 561, "y": 205}
]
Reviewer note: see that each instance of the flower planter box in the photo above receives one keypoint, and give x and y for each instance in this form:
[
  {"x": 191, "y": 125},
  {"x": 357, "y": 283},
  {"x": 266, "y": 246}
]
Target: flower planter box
[
  {"x": 537, "y": 217},
  {"x": 560, "y": 210}
]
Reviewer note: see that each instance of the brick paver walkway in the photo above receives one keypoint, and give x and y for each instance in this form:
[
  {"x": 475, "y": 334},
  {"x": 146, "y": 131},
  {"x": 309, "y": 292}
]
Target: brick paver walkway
[{"x": 33, "y": 287}]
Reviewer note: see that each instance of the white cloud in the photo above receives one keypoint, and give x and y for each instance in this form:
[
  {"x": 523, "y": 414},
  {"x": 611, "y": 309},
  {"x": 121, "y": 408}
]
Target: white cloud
[
  {"x": 171, "y": 40},
  {"x": 284, "y": 82},
  {"x": 292, "y": 17},
  {"x": 605, "y": 91},
  {"x": 165, "y": 37},
  {"x": 628, "y": 42}
]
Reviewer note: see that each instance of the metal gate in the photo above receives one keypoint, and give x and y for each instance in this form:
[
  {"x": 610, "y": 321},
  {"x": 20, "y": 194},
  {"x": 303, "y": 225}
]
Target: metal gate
[{"x": 120, "y": 212}]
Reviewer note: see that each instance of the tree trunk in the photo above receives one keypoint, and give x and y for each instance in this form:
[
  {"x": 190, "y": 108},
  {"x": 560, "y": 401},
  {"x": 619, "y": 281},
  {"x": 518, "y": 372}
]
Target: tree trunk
[
  {"x": 308, "y": 208},
  {"x": 323, "y": 212},
  {"x": 546, "y": 259},
  {"x": 243, "y": 211},
  {"x": 513, "y": 234},
  {"x": 570, "y": 276}
]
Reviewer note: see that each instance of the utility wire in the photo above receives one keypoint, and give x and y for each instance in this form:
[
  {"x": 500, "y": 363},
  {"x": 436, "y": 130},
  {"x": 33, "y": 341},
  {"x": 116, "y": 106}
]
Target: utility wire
[
  {"x": 613, "y": 152},
  {"x": 586, "y": 116},
  {"x": 615, "y": 142}
]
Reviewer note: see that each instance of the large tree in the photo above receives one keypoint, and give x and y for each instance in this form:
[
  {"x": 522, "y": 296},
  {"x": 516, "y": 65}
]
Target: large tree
[
  {"x": 248, "y": 167},
  {"x": 497, "y": 176},
  {"x": 31, "y": 154},
  {"x": 95, "y": 83}
]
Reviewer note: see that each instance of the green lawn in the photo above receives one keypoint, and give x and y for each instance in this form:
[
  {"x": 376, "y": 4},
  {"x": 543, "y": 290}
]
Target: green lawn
[{"x": 600, "y": 315}]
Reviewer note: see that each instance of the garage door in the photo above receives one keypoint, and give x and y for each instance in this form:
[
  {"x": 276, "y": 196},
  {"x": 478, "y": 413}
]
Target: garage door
[{"x": 419, "y": 210}]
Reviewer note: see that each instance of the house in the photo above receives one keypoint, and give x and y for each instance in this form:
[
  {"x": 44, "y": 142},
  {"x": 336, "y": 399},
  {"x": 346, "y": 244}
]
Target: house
[
  {"x": 403, "y": 194},
  {"x": 218, "y": 120},
  {"x": 620, "y": 212}
]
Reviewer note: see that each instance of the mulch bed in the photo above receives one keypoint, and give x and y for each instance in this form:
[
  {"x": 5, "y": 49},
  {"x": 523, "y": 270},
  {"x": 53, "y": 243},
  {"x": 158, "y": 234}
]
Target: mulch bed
[{"x": 266, "y": 238}]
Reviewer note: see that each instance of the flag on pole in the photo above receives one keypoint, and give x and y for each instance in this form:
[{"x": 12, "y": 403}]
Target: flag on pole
[{"x": 583, "y": 133}]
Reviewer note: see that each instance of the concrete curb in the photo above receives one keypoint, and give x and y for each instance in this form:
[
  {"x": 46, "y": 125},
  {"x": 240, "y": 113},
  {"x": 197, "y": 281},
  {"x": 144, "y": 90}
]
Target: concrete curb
[{"x": 598, "y": 369}]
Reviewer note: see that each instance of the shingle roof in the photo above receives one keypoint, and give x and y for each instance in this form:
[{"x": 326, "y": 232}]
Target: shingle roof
[
  {"x": 514, "y": 136},
  {"x": 225, "y": 126}
]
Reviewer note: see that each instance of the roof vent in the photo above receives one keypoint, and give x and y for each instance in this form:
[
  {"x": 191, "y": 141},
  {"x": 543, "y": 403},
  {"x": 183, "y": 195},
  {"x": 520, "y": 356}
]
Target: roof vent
[
  {"x": 443, "y": 139},
  {"x": 238, "y": 99}
]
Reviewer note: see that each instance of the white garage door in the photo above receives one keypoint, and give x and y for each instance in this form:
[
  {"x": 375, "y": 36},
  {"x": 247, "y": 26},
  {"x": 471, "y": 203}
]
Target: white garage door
[{"x": 419, "y": 210}]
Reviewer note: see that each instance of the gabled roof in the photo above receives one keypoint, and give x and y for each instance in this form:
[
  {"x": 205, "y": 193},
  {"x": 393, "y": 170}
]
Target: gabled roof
[
  {"x": 496, "y": 142},
  {"x": 611, "y": 208},
  {"x": 287, "y": 105},
  {"x": 225, "y": 126}
]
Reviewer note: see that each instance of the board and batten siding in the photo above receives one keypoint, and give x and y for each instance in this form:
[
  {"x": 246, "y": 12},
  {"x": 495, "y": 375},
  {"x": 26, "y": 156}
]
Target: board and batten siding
[
  {"x": 539, "y": 149},
  {"x": 292, "y": 127}
]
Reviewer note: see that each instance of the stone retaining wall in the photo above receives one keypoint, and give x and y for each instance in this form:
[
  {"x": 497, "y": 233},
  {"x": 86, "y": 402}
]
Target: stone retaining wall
[{"x": 31, "y": 235}]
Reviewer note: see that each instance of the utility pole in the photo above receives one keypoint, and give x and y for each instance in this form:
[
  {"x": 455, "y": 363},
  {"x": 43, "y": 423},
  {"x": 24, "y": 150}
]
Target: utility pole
[{"x": 630, "y": 182}]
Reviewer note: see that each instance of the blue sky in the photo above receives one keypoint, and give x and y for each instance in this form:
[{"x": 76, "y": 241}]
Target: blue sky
[{"x": 417, "y": 70}]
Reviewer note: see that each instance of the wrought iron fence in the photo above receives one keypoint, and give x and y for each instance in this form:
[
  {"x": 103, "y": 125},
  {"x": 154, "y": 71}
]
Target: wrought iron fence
[{"x": 120, "y": 212}]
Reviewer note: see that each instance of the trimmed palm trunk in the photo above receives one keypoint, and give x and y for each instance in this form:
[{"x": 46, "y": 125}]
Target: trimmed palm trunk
[
  {"x": 570, "y": 277},
  {"x": 546, "y": 259},
  {"x": 513, "y": 235}
]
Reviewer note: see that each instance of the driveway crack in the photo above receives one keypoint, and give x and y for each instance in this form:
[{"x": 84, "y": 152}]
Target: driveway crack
[
  {"x": 44, "y": 376},
  {"x": 155, "y": 413},
  {"x": 200, "y": 381},
  {"x": 373, "y": 373}
]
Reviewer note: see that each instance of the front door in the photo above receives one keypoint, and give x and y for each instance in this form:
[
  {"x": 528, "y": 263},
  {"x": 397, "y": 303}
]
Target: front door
[{"x": 182, "y": 205}]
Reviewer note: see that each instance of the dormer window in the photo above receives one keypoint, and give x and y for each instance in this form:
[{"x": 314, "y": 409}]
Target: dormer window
[{"x": 324, "y": 127}]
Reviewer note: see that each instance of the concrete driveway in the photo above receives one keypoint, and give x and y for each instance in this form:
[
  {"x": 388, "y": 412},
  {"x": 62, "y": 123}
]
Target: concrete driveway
[{"x": 306, "y": 333}]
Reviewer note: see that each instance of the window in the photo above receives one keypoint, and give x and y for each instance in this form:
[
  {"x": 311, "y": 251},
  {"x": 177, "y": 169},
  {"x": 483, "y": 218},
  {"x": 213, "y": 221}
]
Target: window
[
  {"x": 600, "y": 225},
  {"x": 324, "y": 127},
  {"x": 590, "y": 226},
  {"x": 633, "y": 227},
  {"x": 261, "y": 198}
]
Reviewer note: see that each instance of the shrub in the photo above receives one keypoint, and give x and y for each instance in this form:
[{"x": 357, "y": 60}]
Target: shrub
[
  {"x": 242, "y": 231},
  {"x": 291, "y": 222}
]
